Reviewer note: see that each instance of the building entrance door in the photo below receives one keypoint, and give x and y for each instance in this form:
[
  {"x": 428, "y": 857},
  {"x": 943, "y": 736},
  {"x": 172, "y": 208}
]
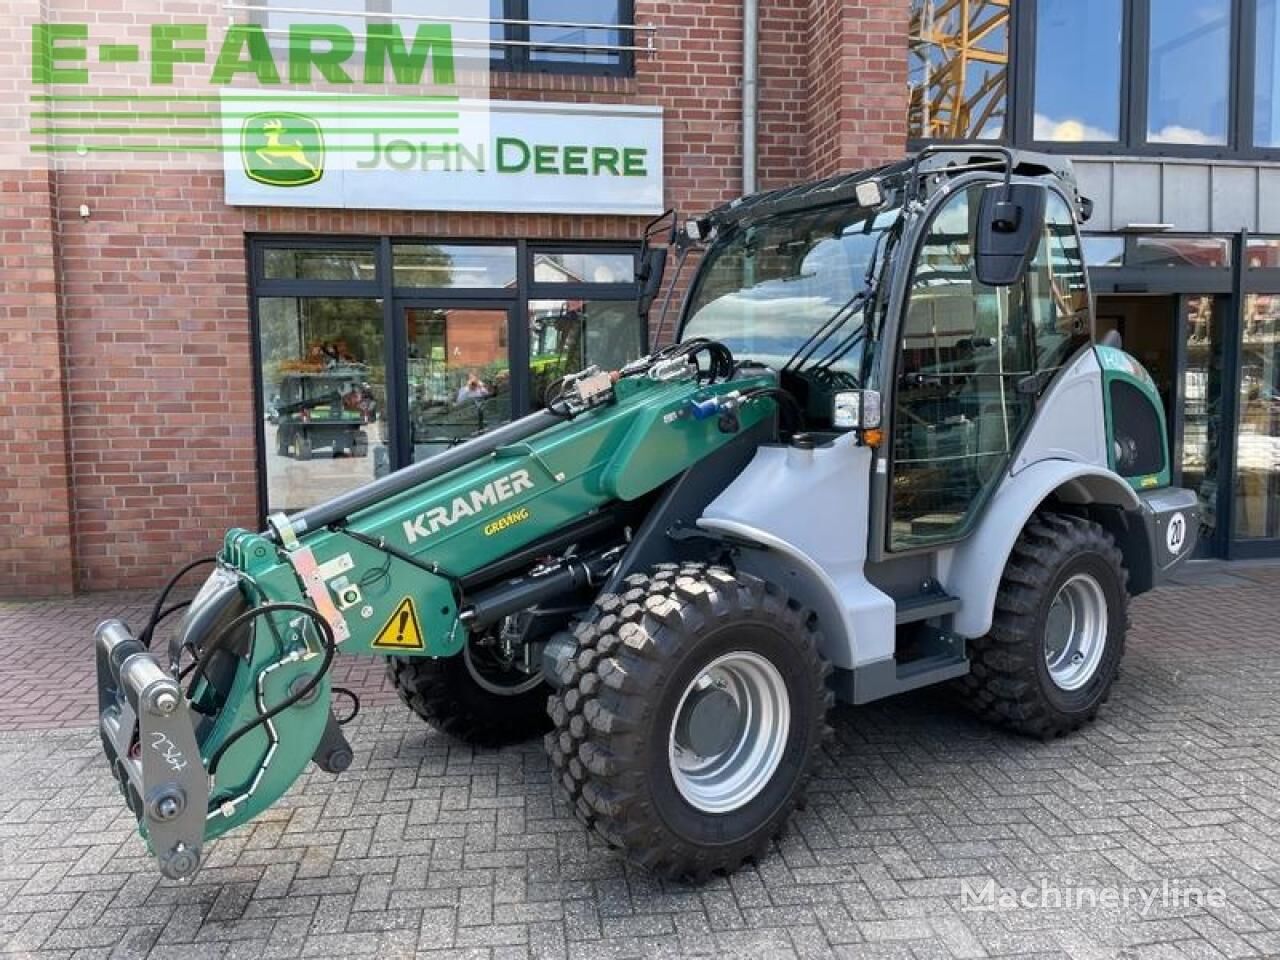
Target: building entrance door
[{"x": 454, "y": 378}]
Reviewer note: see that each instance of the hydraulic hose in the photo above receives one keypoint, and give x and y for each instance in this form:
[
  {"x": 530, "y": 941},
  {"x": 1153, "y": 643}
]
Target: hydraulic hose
[
  {"x": 158, "y": 612},
  {"x": 330, "y": 649}
]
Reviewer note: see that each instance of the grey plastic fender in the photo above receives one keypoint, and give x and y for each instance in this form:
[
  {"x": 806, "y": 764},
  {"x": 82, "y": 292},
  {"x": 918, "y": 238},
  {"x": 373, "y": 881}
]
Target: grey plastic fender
[{"x": 973, "y": 570}]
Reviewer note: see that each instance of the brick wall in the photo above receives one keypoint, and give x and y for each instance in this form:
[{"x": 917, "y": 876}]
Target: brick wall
[
  {"x": 36, "y": 555},
  {"x": 136, "y": 448}
]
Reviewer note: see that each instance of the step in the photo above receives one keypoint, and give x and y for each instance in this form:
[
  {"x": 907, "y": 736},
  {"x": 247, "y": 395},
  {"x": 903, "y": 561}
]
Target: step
[{"x": 925, "y": 606}]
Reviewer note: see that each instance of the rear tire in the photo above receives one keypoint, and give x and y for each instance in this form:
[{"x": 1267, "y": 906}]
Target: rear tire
[
  {"x": 1058, "y": 633},
  {"x": 445, "y": 694},
  {"x": 690, "y": 717}
]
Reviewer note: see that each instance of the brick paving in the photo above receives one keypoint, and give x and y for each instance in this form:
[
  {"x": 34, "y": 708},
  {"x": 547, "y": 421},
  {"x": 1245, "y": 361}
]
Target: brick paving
[{"x": 427, "y": 848}]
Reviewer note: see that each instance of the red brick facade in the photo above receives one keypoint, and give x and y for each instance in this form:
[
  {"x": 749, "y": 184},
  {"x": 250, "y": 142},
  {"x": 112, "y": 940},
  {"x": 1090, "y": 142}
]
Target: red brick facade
[{"x": 129, "y": 435}]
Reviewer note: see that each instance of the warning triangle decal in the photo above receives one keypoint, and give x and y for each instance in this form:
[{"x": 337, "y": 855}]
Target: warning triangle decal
[{"x": 402, "y": 631}]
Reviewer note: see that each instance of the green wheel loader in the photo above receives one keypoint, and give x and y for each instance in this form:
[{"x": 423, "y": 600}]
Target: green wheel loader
[{"x": 883, "y": 452}]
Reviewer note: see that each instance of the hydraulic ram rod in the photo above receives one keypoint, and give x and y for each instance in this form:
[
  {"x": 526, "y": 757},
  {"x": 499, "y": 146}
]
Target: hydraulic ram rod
[{"x": 378, "y": 492}]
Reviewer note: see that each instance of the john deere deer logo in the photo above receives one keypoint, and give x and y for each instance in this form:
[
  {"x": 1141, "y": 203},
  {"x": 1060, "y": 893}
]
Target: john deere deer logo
[{"x": 282, "y": 149}]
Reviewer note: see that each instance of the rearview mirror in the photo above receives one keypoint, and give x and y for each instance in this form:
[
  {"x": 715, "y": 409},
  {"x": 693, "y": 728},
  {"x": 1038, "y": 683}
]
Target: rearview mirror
[
  {"x": 649, "y": 276},
  {"x": 1010, "y": 223}
]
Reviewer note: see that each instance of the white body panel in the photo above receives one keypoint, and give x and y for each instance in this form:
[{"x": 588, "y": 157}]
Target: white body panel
[
  {"x": 811, "y": 507},
  {"x": 1070, "y": 420}
]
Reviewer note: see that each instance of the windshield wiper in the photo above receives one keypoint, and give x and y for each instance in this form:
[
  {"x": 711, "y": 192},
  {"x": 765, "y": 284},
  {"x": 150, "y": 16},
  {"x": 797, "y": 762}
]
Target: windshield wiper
[
  {"x": 855, "y": 304},
  {"x": 826, "y": 331}
]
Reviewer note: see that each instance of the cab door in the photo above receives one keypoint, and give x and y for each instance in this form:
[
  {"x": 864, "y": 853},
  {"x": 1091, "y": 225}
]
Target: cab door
[{"x": 971, "y": 363}]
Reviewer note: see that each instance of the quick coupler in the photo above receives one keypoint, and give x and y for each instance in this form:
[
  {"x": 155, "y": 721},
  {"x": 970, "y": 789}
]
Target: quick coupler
[{"x": 148, "y": 734}]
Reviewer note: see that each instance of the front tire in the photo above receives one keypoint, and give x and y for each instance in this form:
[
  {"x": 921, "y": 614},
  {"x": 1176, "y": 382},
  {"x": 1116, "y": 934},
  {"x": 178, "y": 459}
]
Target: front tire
[
  {"x": 690, "y": 717},
  {"x": 1058, "y": 634},
  {"x": 449, "y": 694}
]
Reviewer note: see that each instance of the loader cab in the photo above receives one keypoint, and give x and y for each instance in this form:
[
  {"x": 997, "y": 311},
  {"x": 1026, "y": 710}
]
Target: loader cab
[{"x": 933, "y": 319}]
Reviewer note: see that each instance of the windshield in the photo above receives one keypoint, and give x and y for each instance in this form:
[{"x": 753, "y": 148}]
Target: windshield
[{"x": 766, "y": 289}]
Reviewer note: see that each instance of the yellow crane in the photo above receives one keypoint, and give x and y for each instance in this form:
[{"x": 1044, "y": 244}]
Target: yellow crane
[{"x": 959, "y": 69}]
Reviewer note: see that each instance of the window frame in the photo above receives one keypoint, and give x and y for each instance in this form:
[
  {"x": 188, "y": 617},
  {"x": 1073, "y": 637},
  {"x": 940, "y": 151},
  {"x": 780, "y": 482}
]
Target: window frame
[
  {"x": 390, "y": 297},
  {"x": 1019, "y": 129},
  {"x": 518, "y": 59}
]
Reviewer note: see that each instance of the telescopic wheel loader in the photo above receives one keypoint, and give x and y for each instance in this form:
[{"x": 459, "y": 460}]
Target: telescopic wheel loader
[{"x": 883, "y": 453}]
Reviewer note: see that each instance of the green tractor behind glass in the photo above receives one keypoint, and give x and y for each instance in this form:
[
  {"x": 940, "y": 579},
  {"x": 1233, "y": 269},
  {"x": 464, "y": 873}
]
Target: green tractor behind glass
[{"x": 883, "y": 453}]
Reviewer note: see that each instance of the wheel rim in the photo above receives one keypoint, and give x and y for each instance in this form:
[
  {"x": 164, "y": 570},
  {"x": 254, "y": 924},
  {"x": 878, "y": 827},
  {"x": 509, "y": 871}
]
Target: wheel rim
[
  {"x": 1076, "y": 632},
  {"x": 737, "y": 711},
  {"x": 492, "y": 677}
]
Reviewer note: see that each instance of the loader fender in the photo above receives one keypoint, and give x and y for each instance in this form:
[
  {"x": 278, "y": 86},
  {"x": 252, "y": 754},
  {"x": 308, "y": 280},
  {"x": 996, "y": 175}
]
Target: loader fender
[
  {"x": 972, "y": 571},
  {"x": 807, "y": 510}
]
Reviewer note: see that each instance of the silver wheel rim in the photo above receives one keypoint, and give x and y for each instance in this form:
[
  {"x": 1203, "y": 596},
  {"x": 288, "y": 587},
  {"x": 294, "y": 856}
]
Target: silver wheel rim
[
  {"x": 1075, "y": 634},
  {"x": 500, "y": 689},
  {"x": 731, "y": 778}
]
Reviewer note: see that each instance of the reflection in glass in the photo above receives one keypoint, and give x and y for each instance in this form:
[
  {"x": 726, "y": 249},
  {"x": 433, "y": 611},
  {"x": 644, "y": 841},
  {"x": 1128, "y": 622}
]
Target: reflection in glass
[
  {"x": 324, "y": 384},
  {"x": 1072, "y": 104},
  {"x": 1103, "y": 251},
  {"x": 459, "y": 375},
  {"x": 958, "y": 414},
  {"x": 575, "y": 22},
  {"x": 1263, "y": 253},
  {"x": 1266, "y": 102},
  {"x": 1172, "y": 251},
  {"x": 284, "y": 263},
  {"x": 566, "y": 336},
  {"x": 584, "y": 268},
  {"x": 1189, "y": 76},
  {"x": 1202, "y": 411},
  {"x": 453, "y": 266},
  {"x": 958, "y": 69},
  {"x": 1257, "y": 493}
]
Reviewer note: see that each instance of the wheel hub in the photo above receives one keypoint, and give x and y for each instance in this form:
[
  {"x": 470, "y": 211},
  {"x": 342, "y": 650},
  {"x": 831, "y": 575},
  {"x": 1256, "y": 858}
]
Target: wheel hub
[
  {"x": 1076, "y": 632},
  {"x": 709, "y": 721},
  {"x": 729, "y": 732}
]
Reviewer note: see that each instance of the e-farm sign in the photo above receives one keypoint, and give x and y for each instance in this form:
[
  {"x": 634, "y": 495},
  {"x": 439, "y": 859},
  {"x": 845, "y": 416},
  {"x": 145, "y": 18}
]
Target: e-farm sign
[{"x": 481, "y": 155}]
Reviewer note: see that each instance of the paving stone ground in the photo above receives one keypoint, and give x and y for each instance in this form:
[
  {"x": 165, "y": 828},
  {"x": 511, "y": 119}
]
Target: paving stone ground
[{"x": 430, "y": 849}]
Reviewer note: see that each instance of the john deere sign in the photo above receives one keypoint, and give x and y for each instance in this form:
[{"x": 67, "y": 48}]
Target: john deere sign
[
  {"x": 282, "y": 149},
  {"x": 498, "y": 156}
]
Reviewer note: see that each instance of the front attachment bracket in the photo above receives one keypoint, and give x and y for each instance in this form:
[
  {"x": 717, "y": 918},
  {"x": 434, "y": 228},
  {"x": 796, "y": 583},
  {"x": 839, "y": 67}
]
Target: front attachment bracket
[{"x": 148, "y": 732}]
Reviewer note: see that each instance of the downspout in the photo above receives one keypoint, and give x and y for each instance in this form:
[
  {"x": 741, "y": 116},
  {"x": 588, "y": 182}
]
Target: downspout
[{"x": 750, "y": 91}]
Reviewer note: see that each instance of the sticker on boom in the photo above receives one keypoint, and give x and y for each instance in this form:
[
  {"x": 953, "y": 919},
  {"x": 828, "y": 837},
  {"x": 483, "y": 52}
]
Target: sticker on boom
[
  {"x": 402, "y": 631},
  {"x": 505, "y": 523}
]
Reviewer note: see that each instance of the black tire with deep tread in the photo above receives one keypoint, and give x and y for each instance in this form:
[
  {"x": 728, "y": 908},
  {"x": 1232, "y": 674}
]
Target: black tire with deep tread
[
  {"x": 1009, "y": 683},
  {"x": 444, "y": 694},
  {"x": 636, "y": 652}
]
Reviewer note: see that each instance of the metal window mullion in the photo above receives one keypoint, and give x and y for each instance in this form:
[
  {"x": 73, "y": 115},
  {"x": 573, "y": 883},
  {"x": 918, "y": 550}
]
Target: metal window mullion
[
  {"x": 1244, "y": 52},
  {"x": 508, "y": 20},
  {"x": 1140, "y": 71}
]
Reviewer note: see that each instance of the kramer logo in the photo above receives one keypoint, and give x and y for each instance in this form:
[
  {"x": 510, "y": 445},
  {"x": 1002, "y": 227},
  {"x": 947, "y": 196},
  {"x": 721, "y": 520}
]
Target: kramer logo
[
  {"x": 282, "y": 149},
  {"x": 468, "y": 505}
]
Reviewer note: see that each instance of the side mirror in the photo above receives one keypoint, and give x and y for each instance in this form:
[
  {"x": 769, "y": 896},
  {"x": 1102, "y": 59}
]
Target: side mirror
[
  {"x": 649, "y": 277},
  {"x": 1010, "y": 224},
  {"x": 856, "y": 410}
]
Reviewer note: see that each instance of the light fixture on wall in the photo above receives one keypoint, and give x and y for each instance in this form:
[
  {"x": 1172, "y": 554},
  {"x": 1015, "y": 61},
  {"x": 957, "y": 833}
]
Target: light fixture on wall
[{"x": 1146, "y": 228}]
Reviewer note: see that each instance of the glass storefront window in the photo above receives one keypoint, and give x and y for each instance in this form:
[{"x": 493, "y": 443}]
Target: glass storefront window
[
  {"x": 570, "y": 335},
  {"x": 1202, "y": 399},
  {"x": 1103, "y": 251},
  {"x": 454, "y": 266},
  {"x": 1257, "y": 490},
  {"x": 285, "y": 263},
  {"x": 584, "y": 268},
  {"x": 1190, "y": 72},
  {"x": 955, "y": 97},
  {"x": 1175, "y": 251},
  {"x": 1263, "y": 253},
  {"x": 323, "y": 383},
  {"x": 1074, "y": 105},
  {"x": 459, "y": 374}
]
